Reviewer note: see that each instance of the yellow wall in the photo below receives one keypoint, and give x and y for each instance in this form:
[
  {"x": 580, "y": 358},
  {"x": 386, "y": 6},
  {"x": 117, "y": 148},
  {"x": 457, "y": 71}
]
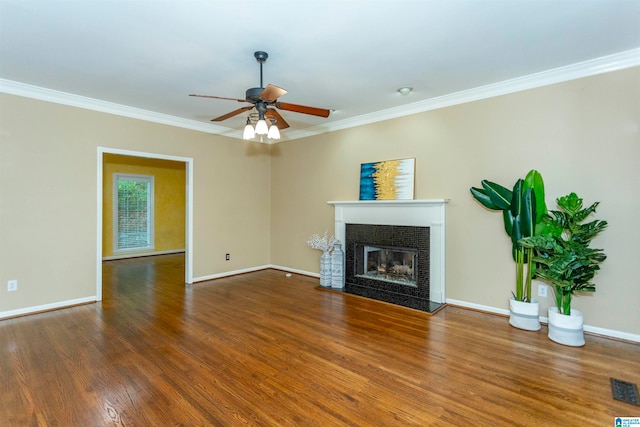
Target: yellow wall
[
  {"x": 582, "y": 135},
  {"x": 169, "y": 199}
]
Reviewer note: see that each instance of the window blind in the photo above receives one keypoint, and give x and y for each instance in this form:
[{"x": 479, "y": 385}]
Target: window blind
[{"x": 134, "y": 212}]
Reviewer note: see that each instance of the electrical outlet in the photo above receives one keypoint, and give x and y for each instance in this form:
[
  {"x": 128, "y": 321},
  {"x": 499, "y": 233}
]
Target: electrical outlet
[
  {"x": 542, "y": 291},
  {"x": 227, "y": 257},
  {"x": 12, "y": 285}
]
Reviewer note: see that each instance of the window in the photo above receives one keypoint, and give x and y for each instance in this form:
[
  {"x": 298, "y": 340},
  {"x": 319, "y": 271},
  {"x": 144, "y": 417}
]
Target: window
[{"x": 132, "y": 213}]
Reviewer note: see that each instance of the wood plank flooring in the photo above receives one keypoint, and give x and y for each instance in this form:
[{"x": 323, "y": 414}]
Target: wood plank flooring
[{"x": 261, "y": 349}]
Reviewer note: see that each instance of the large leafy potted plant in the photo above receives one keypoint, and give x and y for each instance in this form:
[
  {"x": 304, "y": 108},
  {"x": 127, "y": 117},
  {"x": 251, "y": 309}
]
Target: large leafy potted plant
[
  {"x": 564, "y": 259},
  {"x": 523, "y": 209}
]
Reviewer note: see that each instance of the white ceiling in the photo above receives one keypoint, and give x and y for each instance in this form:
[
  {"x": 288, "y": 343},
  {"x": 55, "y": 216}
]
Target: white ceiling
[{"x": 146, "y": 56}]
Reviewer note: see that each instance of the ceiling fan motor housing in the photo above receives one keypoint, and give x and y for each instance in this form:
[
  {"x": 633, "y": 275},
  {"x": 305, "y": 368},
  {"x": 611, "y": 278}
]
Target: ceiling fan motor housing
[{"x": 253, "y": 94}]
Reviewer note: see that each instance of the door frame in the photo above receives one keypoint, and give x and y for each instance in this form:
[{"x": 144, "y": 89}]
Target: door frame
[{"x": 188, "y": 205}]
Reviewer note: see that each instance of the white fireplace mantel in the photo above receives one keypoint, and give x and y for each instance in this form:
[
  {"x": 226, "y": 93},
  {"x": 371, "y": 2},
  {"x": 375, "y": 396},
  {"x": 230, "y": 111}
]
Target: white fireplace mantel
[{"x": 417, "y": 213}]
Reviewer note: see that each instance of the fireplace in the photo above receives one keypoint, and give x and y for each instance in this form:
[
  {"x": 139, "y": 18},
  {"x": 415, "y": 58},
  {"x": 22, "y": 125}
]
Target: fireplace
[
  {"x": 388, "y": 263},
  {"x": 394, "y": 250}
]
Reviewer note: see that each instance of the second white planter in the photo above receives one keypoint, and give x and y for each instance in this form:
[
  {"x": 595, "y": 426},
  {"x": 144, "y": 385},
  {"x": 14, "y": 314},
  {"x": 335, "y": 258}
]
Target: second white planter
[
  {"x": 524, "y": 315},
  {"x": 565, "y": 329}
]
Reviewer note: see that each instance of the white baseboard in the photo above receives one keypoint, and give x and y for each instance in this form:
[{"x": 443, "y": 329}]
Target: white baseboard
[
  {"x": 480, "y": 307},
  {"x": 141, "y": 254},
  {"x": 609, "y": 333},
  {"x": 46, "y": 307},
  {"x": 252, "y": 269},
  {"x": 293, "y": 270},
  {"x": 612, "y": 333},
  {"x": 230, "y": 273}
]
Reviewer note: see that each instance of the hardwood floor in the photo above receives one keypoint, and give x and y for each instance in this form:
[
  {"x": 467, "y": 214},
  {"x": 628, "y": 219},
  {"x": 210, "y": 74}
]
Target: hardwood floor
[{"x": 261, "y": 349}]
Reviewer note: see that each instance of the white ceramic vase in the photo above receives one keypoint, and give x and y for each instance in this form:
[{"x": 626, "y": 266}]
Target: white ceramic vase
[
  {"x": 524, "y": 315},
  {"x": 565, "y": 329},
  {"x": 325, "y": 269},
  {"x": 337, "y": 267}
]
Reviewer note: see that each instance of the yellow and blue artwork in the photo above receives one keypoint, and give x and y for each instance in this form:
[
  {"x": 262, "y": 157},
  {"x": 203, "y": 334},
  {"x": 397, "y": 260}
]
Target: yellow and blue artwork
[{"x": 387, "y": 180}]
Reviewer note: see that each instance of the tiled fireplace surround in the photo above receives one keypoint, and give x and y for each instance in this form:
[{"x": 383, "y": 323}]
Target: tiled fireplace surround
[{"x": 418, "y": 224}]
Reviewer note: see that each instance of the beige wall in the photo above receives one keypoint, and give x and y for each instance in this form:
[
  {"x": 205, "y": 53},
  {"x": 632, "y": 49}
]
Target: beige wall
[
  {"x": 581, "y": 135},
  {"x": 48, "y": 192},
  {"x": 169, "y": 184}
]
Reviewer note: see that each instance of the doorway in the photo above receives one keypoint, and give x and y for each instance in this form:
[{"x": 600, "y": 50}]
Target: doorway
[{"x": 188, "y": 214}]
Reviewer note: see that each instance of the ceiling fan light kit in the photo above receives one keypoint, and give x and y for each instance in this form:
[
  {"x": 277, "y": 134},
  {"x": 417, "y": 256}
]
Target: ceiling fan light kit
[
  {"x": 268, "y": 120},
  {"x": 256, "y": 126}
]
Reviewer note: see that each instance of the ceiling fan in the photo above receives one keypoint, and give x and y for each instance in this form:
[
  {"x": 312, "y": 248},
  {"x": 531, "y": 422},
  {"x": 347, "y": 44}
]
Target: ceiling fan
[{"x": 264, "y": 99}]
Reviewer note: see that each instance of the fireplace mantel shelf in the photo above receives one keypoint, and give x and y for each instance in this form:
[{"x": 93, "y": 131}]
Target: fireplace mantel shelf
[{"x": 387, "y": 202}]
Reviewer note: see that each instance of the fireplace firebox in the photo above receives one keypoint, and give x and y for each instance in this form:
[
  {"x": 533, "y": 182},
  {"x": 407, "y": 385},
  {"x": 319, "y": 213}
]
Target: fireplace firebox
[{"x": 388, "y": 263}]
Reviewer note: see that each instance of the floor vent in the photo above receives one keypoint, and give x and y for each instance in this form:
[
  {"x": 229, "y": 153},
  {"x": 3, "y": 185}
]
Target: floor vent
[{"x": 627, "y": 392}]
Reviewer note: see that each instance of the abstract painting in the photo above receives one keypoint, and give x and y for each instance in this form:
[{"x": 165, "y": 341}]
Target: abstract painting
[{"x": 387, "y": 180}]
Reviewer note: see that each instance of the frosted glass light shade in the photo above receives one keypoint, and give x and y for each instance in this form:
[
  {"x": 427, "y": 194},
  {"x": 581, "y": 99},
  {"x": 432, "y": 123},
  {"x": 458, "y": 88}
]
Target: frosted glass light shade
[
  {"x": 261, "y": 127},
  {"x": 248, "y": 132},
  {"x": 274, "y": 132}
]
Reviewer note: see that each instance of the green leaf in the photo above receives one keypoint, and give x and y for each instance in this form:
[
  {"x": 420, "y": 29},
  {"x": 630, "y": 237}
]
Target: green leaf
[
  {"x": 516, "y": 233},
  {"x": 581, "y": 215},
  {"x": 508, "y": 220},
  {"x": 522, "y": 209},
  {"x": 499, "y": 195},
  {"x": 570, "y": 204},
  {"x": 534, "y": 181},
  {"x": 516, "y": 196},
  {"x": 480, "y": 195},
  {"x": 527, "y": 213}
]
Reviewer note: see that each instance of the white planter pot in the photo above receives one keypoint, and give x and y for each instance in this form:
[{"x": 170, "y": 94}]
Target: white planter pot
[
  {"x": 565, "y": 329},
  {"x": 524, "y": 315}
]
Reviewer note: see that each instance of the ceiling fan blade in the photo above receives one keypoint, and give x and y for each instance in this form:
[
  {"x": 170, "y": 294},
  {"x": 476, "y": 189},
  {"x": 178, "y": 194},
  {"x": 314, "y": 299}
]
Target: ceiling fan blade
[
  {"x": 233, "y": 113},
  {"x": 272, "y": 92},
  {"x": 321, "y": 112},
  {"x": 219, "y": 97},
  {"x": 281, "y": 123}
]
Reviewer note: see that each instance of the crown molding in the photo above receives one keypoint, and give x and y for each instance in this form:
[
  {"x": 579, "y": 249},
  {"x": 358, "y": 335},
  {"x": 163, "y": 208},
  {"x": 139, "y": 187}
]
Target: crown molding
[
  {"x": 605, "y": 64},
  {"x": 29, "y": 91}
]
